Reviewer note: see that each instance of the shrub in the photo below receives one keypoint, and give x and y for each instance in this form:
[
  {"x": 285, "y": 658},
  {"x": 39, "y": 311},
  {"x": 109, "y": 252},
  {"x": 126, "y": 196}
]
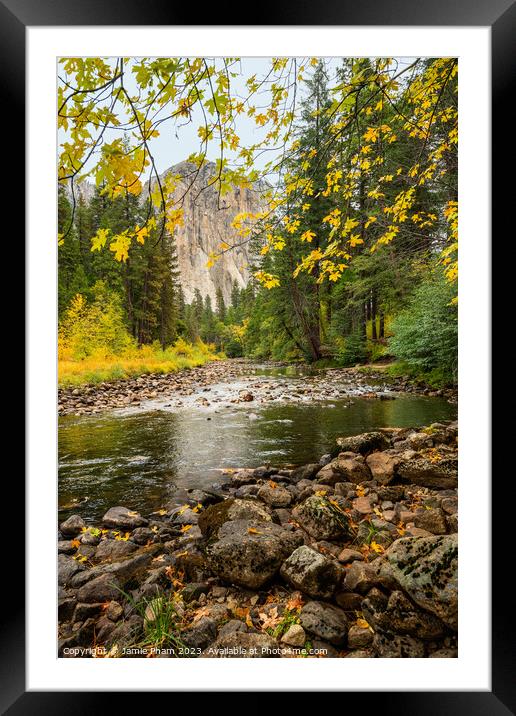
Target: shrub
[{"x": 425, "y": 333}]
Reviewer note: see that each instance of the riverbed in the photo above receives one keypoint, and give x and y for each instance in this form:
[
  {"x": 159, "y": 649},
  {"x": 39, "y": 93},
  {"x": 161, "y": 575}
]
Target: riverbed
[{"x": 143, "y": 456}]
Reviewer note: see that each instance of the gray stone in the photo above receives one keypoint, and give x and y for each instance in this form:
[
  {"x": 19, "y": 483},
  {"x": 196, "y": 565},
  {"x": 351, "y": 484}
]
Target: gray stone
[
  {"x": 426, "y": 568},
  {"x": 72, "y": 526},
  {"x": 321, "y": 519},
  {"x": 432, "y": 520},
  {"x": 200, "y": 634},
  {"x": 112, "y": 550},
  {"x": 294, "y": 636},
  {"x": 364, "y": 443},
  {"x": 232, "y": 509},
  {"x": 275, "y": 496},
  {"x": 100, "y": 589},
  {"x": 312, "y": 572},
  {"x": 360, "y": 577},
  {"x": 422, "y": 471},
  {"x": 325, "y": 621},
  {"x": 249, "y": 553},
  {"x": 359, "y": 637},
  {"x": 123, "y": 519}
]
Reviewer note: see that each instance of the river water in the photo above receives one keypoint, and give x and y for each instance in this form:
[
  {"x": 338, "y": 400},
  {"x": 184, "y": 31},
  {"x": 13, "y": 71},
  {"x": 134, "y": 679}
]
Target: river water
[{"x": 139, "y": 458}]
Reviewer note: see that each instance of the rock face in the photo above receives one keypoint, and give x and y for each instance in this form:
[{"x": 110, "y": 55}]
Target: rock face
[{"x": 207, "y": 223}]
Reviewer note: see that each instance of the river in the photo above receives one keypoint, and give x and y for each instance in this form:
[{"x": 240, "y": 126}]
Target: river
[{"x": 141, "y": 457}]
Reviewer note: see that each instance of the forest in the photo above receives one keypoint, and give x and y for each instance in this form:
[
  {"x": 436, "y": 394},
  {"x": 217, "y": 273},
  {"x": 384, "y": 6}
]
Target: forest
[{"x": 353, "y": 261}]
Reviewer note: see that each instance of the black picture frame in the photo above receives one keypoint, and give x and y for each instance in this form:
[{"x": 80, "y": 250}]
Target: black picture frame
[{"x": 500, "y": 16}]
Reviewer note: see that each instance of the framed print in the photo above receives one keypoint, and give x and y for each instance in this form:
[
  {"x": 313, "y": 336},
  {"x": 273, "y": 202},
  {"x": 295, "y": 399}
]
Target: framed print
[{"x": 255, "y": 425}]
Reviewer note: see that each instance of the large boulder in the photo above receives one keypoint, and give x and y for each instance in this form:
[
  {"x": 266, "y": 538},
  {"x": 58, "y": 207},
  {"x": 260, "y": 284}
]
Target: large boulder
[
  {"x": 364, "y": 443},
  {"x": 249, "y": 552},
  {"x": 322, "y": 518},
  {"x": 312, "y": 572},
  {"x": 232, "y": 509},
  {"x": 325, "y": 621},
  {"x": 123, "y": 519},
  {"x": 427, "y": 472},
  {"x": 426, "y": 569}
]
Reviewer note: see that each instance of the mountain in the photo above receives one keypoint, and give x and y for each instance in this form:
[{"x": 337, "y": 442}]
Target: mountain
[{"x": 207, "y": 223}]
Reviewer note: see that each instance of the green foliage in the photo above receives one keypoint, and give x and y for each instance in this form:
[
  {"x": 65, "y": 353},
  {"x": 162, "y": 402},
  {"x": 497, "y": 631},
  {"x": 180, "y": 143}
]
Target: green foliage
[{"x": 425, "y": 333}]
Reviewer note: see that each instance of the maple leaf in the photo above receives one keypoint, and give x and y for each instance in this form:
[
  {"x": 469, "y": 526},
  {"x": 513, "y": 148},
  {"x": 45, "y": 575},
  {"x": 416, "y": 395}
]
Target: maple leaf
[
  {"x": 185, "y": 528},
  {"x": 270, "y": 620},
  {"x": 253, "y": 531}
]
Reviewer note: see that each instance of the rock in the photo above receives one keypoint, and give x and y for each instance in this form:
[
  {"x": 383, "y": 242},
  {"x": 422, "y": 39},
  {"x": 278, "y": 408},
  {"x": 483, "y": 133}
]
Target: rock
[
  {"x": 249, "y": 553},
  {"x": 142, "y": 536},
  {"x": 231, "y": 627},
  {"x": 101, "y": 589},
  {"x": 200, "y": 634},
  {"x": 450, "y": 505},
  {"x": 383, "y": 466},
  {"x": 312, "y": 572},
  {"x": 394, "y": 493},
  {"x": 360, "y": 577},
  {"x": 184, "y": 516},
  {"x": 347, "y": 467},
  {"x": 123, "y": 519},
  {"x": 321, "y": 519},
  {"x": 66, "y": 547},
  {"x": 193, "y": 591},
  {"x": 305, "y": 472},
  {"x": 66, "y": 608},
  {"x": 243, "y": 477},
  {"x": 325, "y": 621},
  {"x": 275, "y": 495},
  {"x": 232, "y": 509},
  {"x": 444, "y": 654},
  {"x": 452, "y": 523},
  {"x": 401, "y": 616},
  {"x": 114, "y": 611},
  {"x": 66, "y": 568},
  {"x": 362, "y": 505},
  {"x": 426, "y": 569},
  {"x": 294, "y": 636},
  {"x": 419, "y": 441},
  {"x": 364, "y": 443},
  {"x": 349, "y": 601},
  {"x": 420, "y": 470},
  {"x": 112, "y": 550},
  {"x": 432, "y": 520},
  {"x": 72, "y": 526},
  {"x": 359, "y": 637},
  {"x": 392, "y": 646},
  {"x": 242, "y": 645},
  {"x": 350, "y": 555}
]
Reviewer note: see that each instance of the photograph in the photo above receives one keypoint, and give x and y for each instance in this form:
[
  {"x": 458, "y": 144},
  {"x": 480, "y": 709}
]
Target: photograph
[{"x": 257, "y": 352}]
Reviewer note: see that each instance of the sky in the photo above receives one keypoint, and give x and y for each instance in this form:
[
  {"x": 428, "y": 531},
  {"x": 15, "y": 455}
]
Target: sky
[{"x": 178, "y": 140}]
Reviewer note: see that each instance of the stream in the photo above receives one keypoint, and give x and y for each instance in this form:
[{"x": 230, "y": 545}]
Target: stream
[{"x": 140, "y": 457}]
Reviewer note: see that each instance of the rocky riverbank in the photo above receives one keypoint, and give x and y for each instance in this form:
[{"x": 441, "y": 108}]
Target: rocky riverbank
[
  {"x": 353, "y": 556},
  {"x": 181, "y": 388}
]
